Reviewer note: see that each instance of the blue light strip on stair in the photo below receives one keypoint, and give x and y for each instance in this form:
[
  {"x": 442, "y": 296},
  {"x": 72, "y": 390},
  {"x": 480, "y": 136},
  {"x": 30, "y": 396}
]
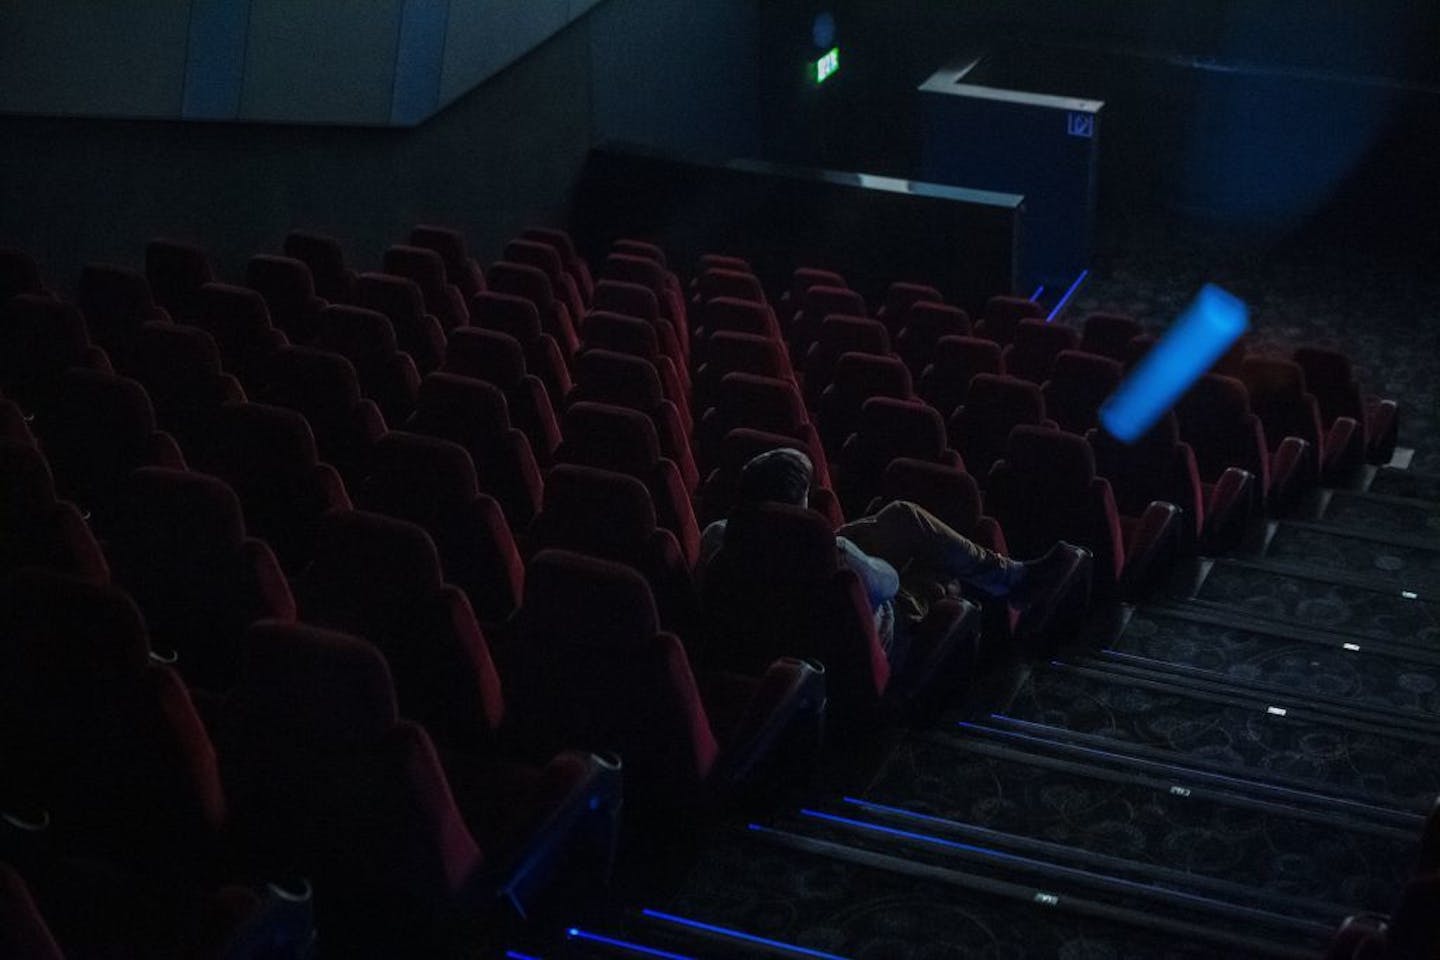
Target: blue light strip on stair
[
  {"x": 1068, "y": 294},
  {"x": 1047, "y": 866},
  {"x": 740, "y": 935},
  {"x": 575, "y": 933},
  {"x": 1038, "y": 291},
  {"x": 517, "y": 955}
]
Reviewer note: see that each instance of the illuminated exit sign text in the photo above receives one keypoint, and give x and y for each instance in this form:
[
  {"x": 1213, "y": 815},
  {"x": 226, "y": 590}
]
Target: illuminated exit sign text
[{"x": 826, "y": 66}]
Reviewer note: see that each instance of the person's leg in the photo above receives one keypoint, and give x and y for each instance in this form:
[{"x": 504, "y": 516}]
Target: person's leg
[{"x": 904, "y": 534}]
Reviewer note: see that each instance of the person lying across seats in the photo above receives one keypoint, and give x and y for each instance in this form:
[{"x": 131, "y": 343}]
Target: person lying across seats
[{"x": 905, "y": 557}]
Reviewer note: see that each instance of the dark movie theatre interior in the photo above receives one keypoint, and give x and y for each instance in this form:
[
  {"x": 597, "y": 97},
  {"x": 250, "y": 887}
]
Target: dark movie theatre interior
[{"x": 719, "y": 480}]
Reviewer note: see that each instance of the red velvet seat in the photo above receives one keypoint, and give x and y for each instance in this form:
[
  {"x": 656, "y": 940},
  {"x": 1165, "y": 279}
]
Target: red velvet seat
[
  {"x": 835, "y": 337},
  {"x": 1330, "y": 378},
  {"x": 900, "y": 297},
  {"x": 1034, "y": 345},
  {"x": 239, "y": 322},
  {"x": 1279, "y": 397},
  {"x": 531, "y": 283},
  {"x": 547, "y": 259},
  {"x": 432, "y": 482},
  {"x": 858, "y": 377},
  {"x": 289, "y": 293},
  {"x": 1078, "y": 384},
  {"x": 770, "y": 404},
  {"x": 819, "y": 303},
  {"x": 639, "y": 301},
  {"x": 1003, "y": 314},
  {"x": 40, "y": 530},
  {"x": 40, "y": 339},
  {"x": 955, "y": 361},
  {"x": 323, "y": 255},
  {"x": 426, "y": 268},
  {"x": 624, "y": 380},
  {"x": 176, "y": 271},
  {"x": 116, "y": 302},
  {"x": 519, "y": 318},
  {"x": 460, "y": 268},
  {"x": 417, "y": 331},
  {"x": 1109, "y": 334},
  {"x": 1046, "y": 489},
  {"x": 727, "y": 352},
  {"x": 499, "y": 359},
  {"x": 474, "y": 414},
  {"x": 925, "y": 324},
  {"x": 367, "y": 339},
  {"x": 994, "y": 405},
  {"x": 888, "y": 429},
  {"x": 324, "y": 387},
  {"x": 633, "y": 336},
  {"x": 575, "y": 264},
  {"x": 180, "y": 548},
  {"x": 589, "y": 628}
]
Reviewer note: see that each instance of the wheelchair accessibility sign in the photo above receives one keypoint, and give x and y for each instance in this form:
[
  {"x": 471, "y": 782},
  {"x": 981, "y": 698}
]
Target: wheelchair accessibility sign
[{"x": 1080, "y": 125}]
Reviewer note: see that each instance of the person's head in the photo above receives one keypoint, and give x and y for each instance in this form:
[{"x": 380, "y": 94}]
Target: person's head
[{"x": 776, "y": 476}]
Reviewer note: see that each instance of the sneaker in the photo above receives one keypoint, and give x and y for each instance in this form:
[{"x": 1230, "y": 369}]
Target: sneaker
[{"x": 1043, "y": 577}]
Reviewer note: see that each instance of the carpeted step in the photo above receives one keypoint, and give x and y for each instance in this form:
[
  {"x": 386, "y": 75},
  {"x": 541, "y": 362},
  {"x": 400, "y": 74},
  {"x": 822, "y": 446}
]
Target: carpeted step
[
  {"x": 1406, "y": 483},
  {"x": 1382, "y": 515},
  {"x": 1409, "y": 564}
]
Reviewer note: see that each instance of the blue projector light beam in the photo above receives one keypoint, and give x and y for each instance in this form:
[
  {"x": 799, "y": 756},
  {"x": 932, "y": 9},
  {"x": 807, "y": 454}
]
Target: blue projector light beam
[{"x": 1199, "y": 336}]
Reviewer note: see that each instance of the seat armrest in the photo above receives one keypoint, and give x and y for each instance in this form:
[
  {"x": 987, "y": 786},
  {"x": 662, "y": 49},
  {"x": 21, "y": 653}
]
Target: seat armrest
[
  {"x": 1152, "y": 546},
  {"x": 1381, "y": 427},
  {"x": 1291, "y": 472},
  {"x": 788, "y": 690},
  {"x": 1343, "y": 451},
  {"x": 1230, "y": 510},
  {"x": 944, "y": 652}
]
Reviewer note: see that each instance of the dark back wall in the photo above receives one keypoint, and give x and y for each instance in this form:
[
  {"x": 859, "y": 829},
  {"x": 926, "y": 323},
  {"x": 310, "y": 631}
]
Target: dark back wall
[
  {"x": 1228, "y": 109},
  {"x": 501, "y": 157}
]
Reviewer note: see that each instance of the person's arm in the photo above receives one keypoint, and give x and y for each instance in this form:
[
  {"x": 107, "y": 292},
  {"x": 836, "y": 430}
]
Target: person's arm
[{"x": 879, "y": 578}]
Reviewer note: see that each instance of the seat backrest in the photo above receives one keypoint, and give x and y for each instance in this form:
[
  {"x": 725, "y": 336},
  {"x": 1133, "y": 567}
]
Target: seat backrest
[
  {"x": 596, "y": 672},
  {"x": 1330, "y": 378},
  {"x": 821, "y": 302},
  {"x": 450, "y": 244},
  {"x": 860, "y": 376},
  {"x": 640, "y": 248},
  {"x": 507, "y": 313},
  {"x": 1034, "y": 346},
  {"x": 839, "y": 334},
  {"x": 624, "y": 379},
  {"x": 1157, "y": 466},
  {"x": 1045, "y": 489},
  {"x": 18, "y": 274},
  {"x": 1109, "y": 334},
  {"x": 426, "y": 268},
  {"x": 761, "y": 403},
  {"x": 950, "y": 494},
  {"x": 23, "y": 932},
  {"x": 893, "y": 428},
  {"x": 239, "y": 320},
  {"x": 40, "y": 338},
  {"x": 739, "y": 285},
  {"x": 574, "y": 264},
  {"x": 777, "y": 588},
  {"x": 728, "y": 352},
  {"x": 994, "y": 405},
  {"x": 320, "y": 384},
  {"x": 596, "y": 511},
  {"x": 806, "y": 277},
  {"x": 357, "y": 333},
  {"x": 647, "y": 273},
  {"x": 925, "y": 323},
  {"x": 289, "y": 292},
  {"x": 1003, "y": 314},
  {"x": 380, "y": 577},
  {"x": 100, "y": 427},
  {"x": 116, "y": 301},
  {"x": 416, "y": 330},
  {"x": 1079, "y": 383},
  {"x": 955, "y": 362},
  {"x": 738, "y": 316},
  {"x": 262, "y": 449},
  {"x": 1216, "y": 420},
  {"x": 623, "y": 334},
  {"x": 326, "y": 260},
  {"x": 176, "y": 272},
  {"x": 524, "y": 281},
  {"x": 900, "y": 297},
  {"x": 1279, "y": 397}
]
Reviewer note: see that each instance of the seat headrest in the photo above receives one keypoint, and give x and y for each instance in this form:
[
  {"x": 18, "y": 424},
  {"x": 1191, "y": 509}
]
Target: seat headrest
[
  {"x": 413, "y": 474},
  {"x": 317, "y": 250},
  {"x": 446, "y": 241},
  {"x": 779, "y": 541},
  {"x": 627, "y": 299},
  {"x": 165, "y": 350},
  {"x": 732, "y": 284},
  {"x": 286, "y": 276},
  {"x": 399, "y": 298},
  {"x": 364, "y": 558},
  {"x": 902, "y": 295},
  {"x": 1004, "y": 308},
  {"x": 357, "y": 332},
  {"x": 113, "y": 293},
  {"x": 261, "y": 443},
  {"x": 1050, "y": 458},
  {"x": 41, "y": 332},
  {"x": 68, "y": 625},
  {"x": 631, "y": 269},
  {"x": 579, "y": 601},
  {"x": 739, "y": 316},
  {"x": 806, "y": 277},
  {"x": 451, "y": 398},
  {"x": 614, "y": 331},
  {"x": 591, "y": 509},
  {"x": 232, "y": 305},
  {"x": 1089, "y": 368},
  {"x": 168, "y": 512},
  {"x": 875, "y": 376},
  {"x": 1272, "y": 378},
  {"x": 843, "y": 334},
  {"x": 911, "y": 425},
  {"x": 506, "y": 313},
  {"x": 489, "y": 355},
  {"x": 973, "y": 354},
  {"x": 821, "y": 301},
  {"x": 312, "y": 687},
  {"x": 749, "y": 398},
  {"x": 420, "y": 264},
  {"x": 115, "y": 409},
  {"x": 542, "y": 256},
  {"x": 558, "y": 239},
  {"x": 1214, "y": 399},
  {"x": 619, "y": 378},
  {"x": 520, "y": 280},
  {"x": 610, "y": 437},
  {"x": 745, "y": 352},
  {"x": 1039, "y": 333},
  {"x": 640, "y": 248},
  {"x": 315, "y": 380},
  {"x": 1005, "y": 398},
  {"x": 1325, "y": 370},
  {"x": 936, "y": 320}
]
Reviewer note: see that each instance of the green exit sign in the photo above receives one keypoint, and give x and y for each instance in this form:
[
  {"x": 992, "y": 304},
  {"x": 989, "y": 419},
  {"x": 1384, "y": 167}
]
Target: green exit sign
[{"x": 826, "y": 66}]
